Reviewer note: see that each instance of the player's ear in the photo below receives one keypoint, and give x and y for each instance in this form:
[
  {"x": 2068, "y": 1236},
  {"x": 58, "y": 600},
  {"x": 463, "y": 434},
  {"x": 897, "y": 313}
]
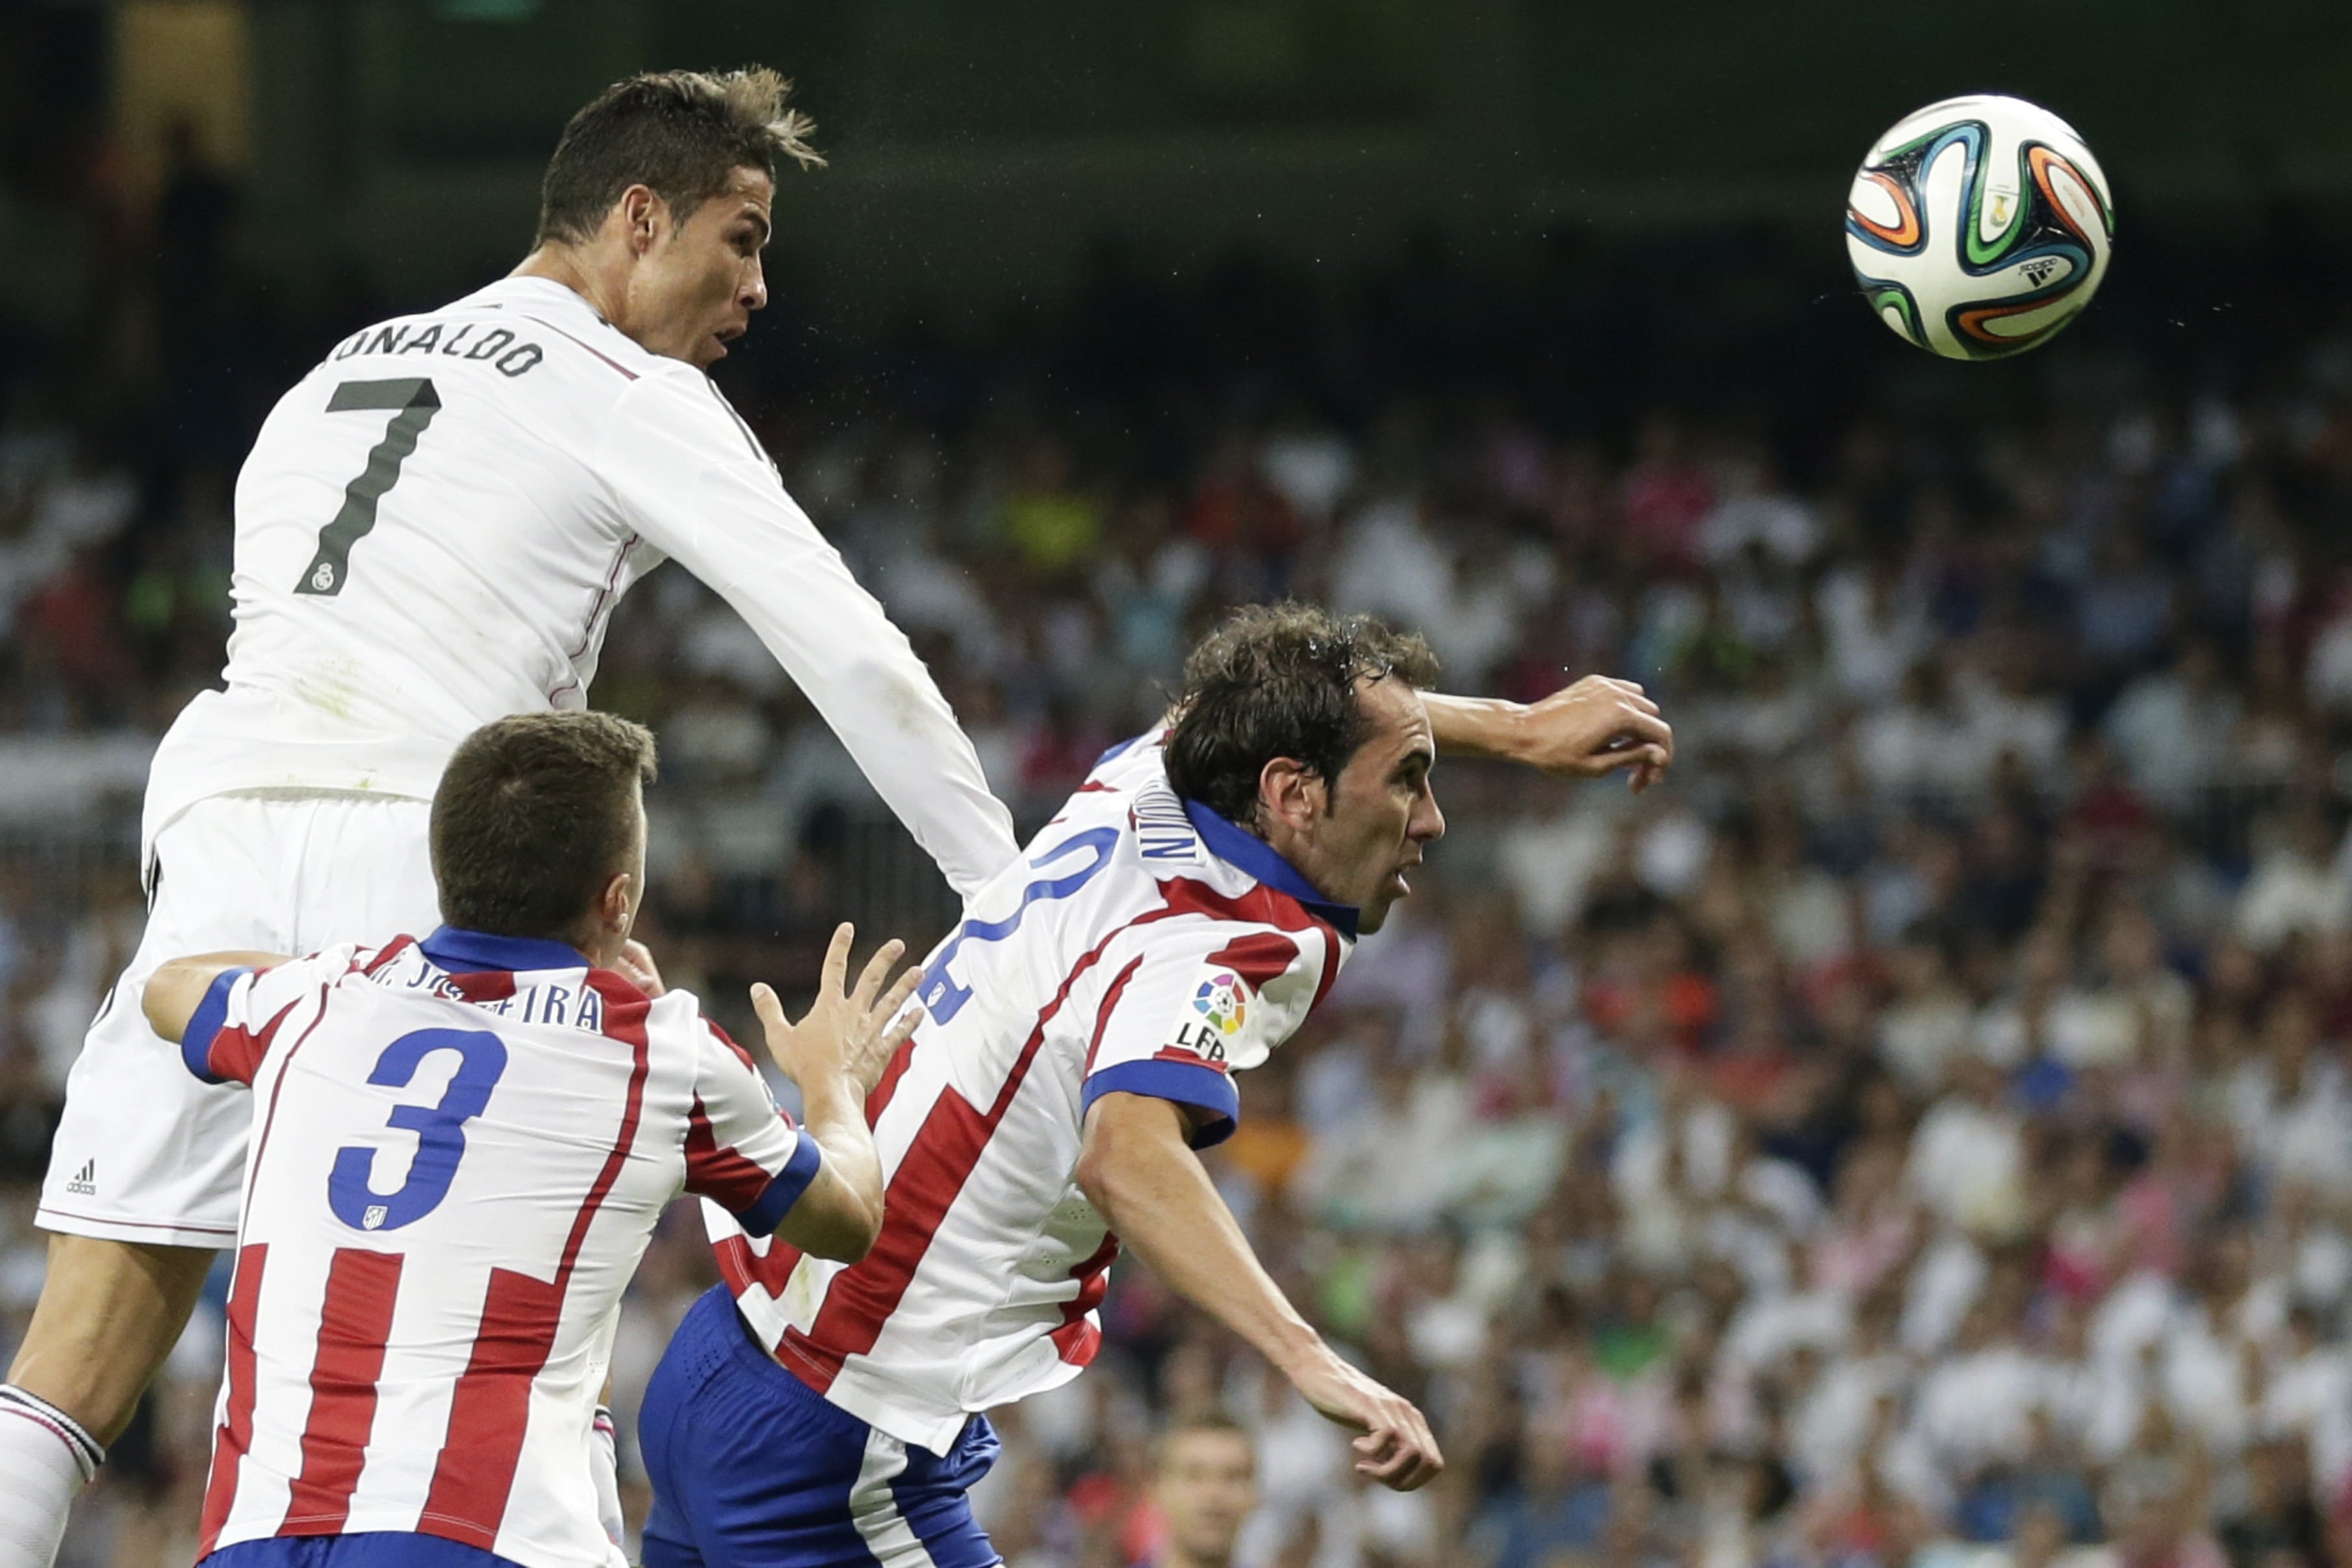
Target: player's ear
[
  {"x": 642, "y": 213},
  {"x": 616, "y": 904},
  {"x": 1290, "y": 792}
]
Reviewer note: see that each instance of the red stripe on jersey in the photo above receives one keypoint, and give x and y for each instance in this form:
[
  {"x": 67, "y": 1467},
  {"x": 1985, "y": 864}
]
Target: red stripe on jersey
[
  {"x": 718, "y": 1172},
  {"x": 521, "y": 1316},
  {"x": 235, "y": 1055},
  {"x": 746, "y": 1268},
  {"x": 1102, "y": 1013},
  {"x": 590, "y": 347},
  {"x": 724, "y": 1038},
  {"x": 398, "y": 945},
  {"x": 235, "y": 1432},
  {"x": 948, "y": 1145},
  {"x": 1076, "y": 1338},
  {"x": 878, "y": 1099},
  {"x": 483, "y": 986},
  {"x": 353, "y": 1325},
  {"x": 1260, "y": 906},
  {"x": 491, "y": 1408},
  {"x": 938, "y": 1161},
  {"x": 625, "y": 1008},
  {"x": 1257, "y": 958},
  {"x": 270, "y": 1118}
]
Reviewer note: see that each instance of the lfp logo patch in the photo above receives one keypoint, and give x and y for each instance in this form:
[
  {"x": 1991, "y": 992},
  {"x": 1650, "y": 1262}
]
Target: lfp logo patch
[{"x": 1219, "y": 1000}]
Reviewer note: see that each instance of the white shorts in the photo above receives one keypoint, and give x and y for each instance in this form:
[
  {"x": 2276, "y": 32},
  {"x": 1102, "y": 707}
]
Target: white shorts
[{"x": 145, "y": 1151}]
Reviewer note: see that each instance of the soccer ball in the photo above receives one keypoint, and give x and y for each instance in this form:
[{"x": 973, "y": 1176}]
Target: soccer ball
[{"x": 1978, "y": 226}]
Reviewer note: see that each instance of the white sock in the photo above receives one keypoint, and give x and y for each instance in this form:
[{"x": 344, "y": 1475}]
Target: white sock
[
  {"x": 604, "y": 1463},
  {"x": 45, "y": 1459}
]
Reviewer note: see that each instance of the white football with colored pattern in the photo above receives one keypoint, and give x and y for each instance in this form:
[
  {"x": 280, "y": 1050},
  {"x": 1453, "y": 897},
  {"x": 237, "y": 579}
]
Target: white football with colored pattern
[{"x": 1978, "y": 226}]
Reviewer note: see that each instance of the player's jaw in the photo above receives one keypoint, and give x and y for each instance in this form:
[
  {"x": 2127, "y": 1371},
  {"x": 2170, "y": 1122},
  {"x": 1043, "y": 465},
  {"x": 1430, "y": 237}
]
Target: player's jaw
[{"x": 1383, "y": 814}]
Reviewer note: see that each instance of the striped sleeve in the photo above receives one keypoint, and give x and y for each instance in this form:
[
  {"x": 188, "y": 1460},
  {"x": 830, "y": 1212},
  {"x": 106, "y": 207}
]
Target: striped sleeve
[
  {"x": 1180, "y": 1016},
  {"x": 741, "y": 1151},
  {"x": 234, "y": 1025}
]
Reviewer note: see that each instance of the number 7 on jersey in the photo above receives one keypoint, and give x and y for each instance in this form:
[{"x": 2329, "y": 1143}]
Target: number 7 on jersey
[{"x": 414, "y": 403}]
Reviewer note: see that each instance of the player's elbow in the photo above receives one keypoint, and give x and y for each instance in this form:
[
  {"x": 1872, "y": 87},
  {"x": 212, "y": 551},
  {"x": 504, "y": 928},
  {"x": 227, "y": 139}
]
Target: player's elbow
[
  {"x": 861, "y": 1228},
  {"x": 170, "y": 997},
  {"x": 1101, "y": 1180},
  {"x": 840, "y": 1226},
  {"x": 1122, "y": 1134}
]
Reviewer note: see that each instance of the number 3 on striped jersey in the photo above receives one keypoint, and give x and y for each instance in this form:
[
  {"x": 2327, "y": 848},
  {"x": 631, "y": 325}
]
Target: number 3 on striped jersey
[
  {"x": 440, "y": 1129},
  {"x": 414, "y": 403}
]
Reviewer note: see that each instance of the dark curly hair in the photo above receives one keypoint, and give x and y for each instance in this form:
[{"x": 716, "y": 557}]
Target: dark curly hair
[{"x": 1279, "y": 680}]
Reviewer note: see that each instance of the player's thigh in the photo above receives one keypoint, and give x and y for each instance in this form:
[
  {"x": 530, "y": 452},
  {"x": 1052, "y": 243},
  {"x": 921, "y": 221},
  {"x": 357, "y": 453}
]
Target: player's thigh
[
  {"x": 750, "y": 1469},
  {"x": 146, "y": 1153},
  {"x": 109, "y": 1314},
  {"x": 364, "y": 872}
]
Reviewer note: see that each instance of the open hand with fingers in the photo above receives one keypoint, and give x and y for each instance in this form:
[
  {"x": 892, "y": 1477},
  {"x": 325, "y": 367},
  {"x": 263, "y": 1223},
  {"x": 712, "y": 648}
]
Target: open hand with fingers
[{"x": 849, "y": 1032}]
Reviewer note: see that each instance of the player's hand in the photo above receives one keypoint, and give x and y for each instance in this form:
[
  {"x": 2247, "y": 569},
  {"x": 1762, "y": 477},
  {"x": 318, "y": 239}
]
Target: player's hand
[
  {"x": 845, "y": 1031},
  {"x": 638, "y": 966},
  {"x": 1596, "y": 726},
  {"x": 1396, "y": 1448}
]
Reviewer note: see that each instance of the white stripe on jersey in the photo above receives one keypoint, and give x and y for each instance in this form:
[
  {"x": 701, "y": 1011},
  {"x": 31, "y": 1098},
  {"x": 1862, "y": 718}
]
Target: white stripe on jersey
[{"x": 1139, "y": 945}]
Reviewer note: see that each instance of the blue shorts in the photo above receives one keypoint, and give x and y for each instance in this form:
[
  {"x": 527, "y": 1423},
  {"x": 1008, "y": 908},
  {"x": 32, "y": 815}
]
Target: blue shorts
[
  {"x": 373, "y": 1548},
  {"x": 753, "y": 1469}
]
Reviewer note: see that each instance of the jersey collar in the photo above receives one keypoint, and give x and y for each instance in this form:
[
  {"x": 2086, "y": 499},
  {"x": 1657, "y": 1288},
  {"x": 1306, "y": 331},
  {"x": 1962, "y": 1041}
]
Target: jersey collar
[
  {"x": 1240, "y": 848},
  {"x": 458, "y": 951}
]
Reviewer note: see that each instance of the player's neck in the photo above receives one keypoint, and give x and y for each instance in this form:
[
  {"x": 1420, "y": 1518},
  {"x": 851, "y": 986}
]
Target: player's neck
[{"x": 577, "y": 270}]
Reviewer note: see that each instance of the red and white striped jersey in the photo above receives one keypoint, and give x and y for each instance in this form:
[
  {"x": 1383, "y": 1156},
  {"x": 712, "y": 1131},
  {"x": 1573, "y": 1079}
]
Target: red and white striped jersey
[
  {"x": 1141, "y": 944},
  {"x": 460, "y": 1146}
]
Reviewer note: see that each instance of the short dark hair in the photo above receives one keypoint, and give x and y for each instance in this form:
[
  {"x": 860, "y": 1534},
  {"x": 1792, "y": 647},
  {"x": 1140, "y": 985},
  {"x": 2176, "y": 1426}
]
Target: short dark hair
[
  {"x": 533, "y": 813},
  {"x": 1279, "y": 680},
  {"x": 681, "y": 133},
  {"x": 1208, "y": 1419}
]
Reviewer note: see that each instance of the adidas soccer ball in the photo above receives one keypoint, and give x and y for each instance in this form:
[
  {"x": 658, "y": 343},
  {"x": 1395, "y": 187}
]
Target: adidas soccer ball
[{"x": 1978, "y": 226}]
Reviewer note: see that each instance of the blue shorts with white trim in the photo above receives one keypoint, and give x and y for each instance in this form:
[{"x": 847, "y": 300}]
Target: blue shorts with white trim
[{"x": 753, "y": 1469}]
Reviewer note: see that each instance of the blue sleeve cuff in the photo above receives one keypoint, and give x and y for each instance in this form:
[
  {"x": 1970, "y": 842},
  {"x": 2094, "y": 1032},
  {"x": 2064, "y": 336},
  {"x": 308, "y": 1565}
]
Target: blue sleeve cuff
[
  {"x": 196, "y": 1041},
  {"x": 768, "y": 1210},
  {"x": 1202, "y": 1088}
]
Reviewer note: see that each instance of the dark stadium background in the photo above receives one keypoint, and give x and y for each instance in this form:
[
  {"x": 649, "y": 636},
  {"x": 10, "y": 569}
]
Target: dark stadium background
[{"x": 1919, "y": 1133}]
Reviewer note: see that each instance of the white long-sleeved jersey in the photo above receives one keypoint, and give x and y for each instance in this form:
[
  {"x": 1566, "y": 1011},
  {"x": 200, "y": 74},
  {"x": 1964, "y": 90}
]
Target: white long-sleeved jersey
[{"x": 432, "y": 528}]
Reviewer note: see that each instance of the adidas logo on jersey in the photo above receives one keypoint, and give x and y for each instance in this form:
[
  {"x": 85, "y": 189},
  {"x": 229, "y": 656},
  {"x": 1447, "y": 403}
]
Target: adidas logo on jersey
[{"x": 85, "y": 1180}]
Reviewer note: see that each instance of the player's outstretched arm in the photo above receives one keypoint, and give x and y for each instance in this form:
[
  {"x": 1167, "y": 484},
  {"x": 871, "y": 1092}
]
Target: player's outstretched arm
[
  {"x": 1138, "y": 1170},
  {"x": 176, "y": 990},
  {"x": 699, "y": 488},
  {"x": 834, "y": 1055},
  {"x": 1592, "y": 727}
]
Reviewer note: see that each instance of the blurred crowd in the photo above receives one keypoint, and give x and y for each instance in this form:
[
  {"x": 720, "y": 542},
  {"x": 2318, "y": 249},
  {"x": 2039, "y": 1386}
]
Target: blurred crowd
[{"x": 1919, "y": 1133}]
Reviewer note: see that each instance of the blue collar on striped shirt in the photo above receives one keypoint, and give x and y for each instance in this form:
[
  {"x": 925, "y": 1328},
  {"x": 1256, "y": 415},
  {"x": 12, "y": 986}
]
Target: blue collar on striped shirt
[
  {"x": 1239, "y": 847},
  {"x": 461, "y": 951}
]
